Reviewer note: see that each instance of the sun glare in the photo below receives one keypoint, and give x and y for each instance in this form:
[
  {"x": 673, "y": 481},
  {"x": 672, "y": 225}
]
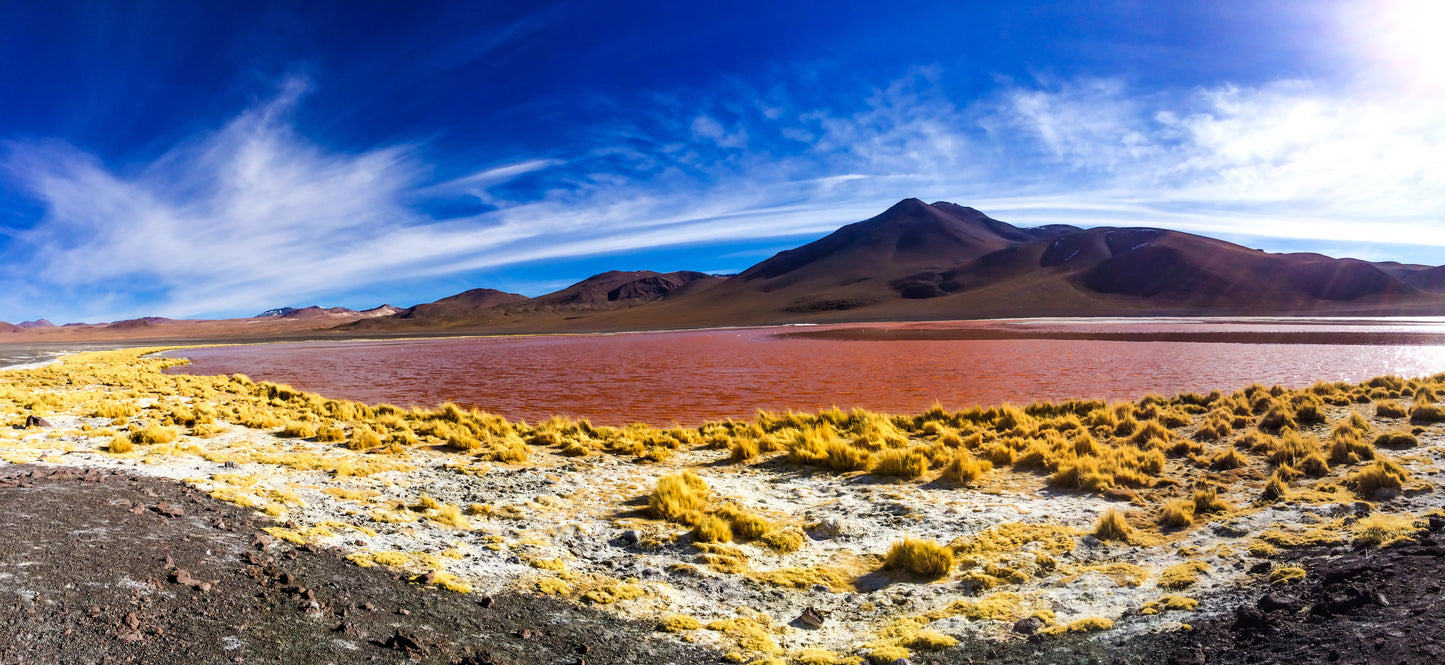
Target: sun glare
[{"x": 1405, "y": 37}]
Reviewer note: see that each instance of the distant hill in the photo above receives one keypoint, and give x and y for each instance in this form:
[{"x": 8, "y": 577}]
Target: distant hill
[
  {"x": 606, "y": 292},
  {"x": 38, "y": 323},
  {"x": 316, "y": 312}
]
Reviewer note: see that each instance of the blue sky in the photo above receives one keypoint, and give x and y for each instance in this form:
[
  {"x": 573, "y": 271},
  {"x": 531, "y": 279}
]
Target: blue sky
[{"x": 221, "y": 158}]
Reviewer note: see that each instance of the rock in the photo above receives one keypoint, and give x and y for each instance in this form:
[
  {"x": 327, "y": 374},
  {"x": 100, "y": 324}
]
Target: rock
[
  {"x": 169, "y": 511},
  {"x": 1272, "y": 602},
  {"x": 1227, "y": 530},
  {"x": 631, "y": 537},
  {"x": 487, "y": 602},
  {"x": 181, "y": 576},
  {"x": 231, "y": 464},
  {"x": 828, "y": 528},
  {"x": 36, "y": 421},
  {"x": 1437, "y": 523},
  {"x": 1028, "y": 625},
  {"x": 811, "y": 618},
  {"x": 1248, "y": 619},
  {"x": 1260, "y": 568},
  {"x": 403, "y": 641},
  {"x": 901, "y": 661}
]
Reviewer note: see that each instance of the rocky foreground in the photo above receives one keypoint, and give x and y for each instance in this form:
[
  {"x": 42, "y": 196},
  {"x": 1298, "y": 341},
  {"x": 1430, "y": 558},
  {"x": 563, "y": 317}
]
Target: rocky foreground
[{"x": 216, "y": 519}]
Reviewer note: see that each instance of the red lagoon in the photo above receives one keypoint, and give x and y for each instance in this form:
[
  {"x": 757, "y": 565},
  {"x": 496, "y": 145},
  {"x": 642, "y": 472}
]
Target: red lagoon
[{"x": 695, "y": 376}]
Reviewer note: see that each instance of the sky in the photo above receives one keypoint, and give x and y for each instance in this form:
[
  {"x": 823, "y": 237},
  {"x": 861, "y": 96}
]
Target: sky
[{"x": 216, "y": 159}]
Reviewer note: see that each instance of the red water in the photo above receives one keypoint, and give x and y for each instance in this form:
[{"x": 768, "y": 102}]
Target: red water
[{"x": 691, "y": 377}]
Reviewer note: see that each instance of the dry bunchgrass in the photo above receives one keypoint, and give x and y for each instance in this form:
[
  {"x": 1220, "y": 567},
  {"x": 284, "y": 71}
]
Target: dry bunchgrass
[
  {"x": 1390, "y": 409},
  {"x": 1113, "y": 526},
  {"x": 1381, "y": 478},
  {"x": 152, "y": 434},
  {"x": 922, "y": 557},
  {"x": 901, "y": 463},
  {"x": 681, "y": 498},
  {"x": 963, "y": 468}
]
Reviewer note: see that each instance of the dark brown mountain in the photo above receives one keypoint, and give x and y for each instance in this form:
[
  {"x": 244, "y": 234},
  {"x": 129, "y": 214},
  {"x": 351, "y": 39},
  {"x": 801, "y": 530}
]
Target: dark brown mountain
[
  {"x": 610, "y": 289},
  {"x": 606, "y": 292},
  {"x": 942, "y": 261},
  {"x": 459, "y": 306},
  {"x": 1427, "y": 279},
  {"x": 142, "y": 322}
]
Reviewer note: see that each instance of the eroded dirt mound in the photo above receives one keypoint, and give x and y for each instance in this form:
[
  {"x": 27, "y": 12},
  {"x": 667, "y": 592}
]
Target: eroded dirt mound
[{"x": 97, "y": 566}]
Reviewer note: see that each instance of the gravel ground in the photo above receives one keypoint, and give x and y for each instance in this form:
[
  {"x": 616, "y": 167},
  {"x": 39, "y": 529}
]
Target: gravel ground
[{"x": 102, "y": 567}]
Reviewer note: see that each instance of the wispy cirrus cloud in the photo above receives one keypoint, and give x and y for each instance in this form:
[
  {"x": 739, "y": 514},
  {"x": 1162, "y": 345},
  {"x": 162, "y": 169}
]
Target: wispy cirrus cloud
[{"x": 254, "y": 214}]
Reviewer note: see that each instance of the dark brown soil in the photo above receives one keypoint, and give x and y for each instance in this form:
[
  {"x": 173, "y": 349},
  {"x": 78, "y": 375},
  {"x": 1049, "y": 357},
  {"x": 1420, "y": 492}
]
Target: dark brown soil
[
  {"x": 103, "y": 568},
  {"x": 1354, "y": 606}
]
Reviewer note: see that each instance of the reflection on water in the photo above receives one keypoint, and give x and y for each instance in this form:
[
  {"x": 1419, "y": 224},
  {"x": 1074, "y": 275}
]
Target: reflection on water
[{"x": 689, "y": 377}]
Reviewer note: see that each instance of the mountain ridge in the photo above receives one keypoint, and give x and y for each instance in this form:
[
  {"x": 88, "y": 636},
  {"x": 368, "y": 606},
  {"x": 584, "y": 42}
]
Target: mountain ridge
[{"x": 918, "y": 261}]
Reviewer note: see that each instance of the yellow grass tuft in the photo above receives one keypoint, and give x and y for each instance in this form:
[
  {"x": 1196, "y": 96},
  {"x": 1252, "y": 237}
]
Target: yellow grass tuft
[
  {"x": 923, "y": 557},
  {"x": 713, "y": 529},
  {"x": 680, "y": 497},
  {"x": 1286, "y": 574},
  {"x": 330, "y": 434},
  {"x": 902, "y": 463},
  {"x": 1382, "y": 478},
  {"x": 963, "y": 468},
  {"x": 153, "y": 434},
  {"x": 1183, "y": 575},
  {"x": 1113, "y": 526},
  {"x": 677, "y": 623},
  {"x": 1178, "y": 513},
  {"x": 120, "y": 445},
  {"x": 1382, "y": 530},
  {"x": 1169, "y": 603}
]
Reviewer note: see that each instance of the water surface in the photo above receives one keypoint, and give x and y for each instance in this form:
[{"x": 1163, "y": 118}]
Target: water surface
[{"x": 690, "y": 377}]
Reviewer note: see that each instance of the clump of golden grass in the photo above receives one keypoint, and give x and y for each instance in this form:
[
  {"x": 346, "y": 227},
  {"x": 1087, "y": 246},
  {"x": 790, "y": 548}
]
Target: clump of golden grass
[
  {"x": 677, "y": 623},
  {"x": 963, "y": 468},
  {"x": 330, "y": 434},
  {"x": 1169, "y": 603},
  {"x": 1086, "y": 625},
  {"x": 1427, "y": 413},
  {"x": 1383, "y": 477},
  {"x": 1396, "y": 440},
  {"x": 152, "y": 434},
  {"x": 120, "y": 445},
  {"x": 1286, "y": 574},
  {"x": 1230, "y": 458},
  {"x": 363, "y": 438},
  {"x": 1383, "y": 530},
  {"x": 681, "y": 497},
  {"x": 922, "y": 557},
  {"x": 1390, "y": 409},
  {"x": 298, "y": 430},
  {"x": 1276, "y": 487},
  {"x": 902, "y": 463},
  {"x": 1178, "y": 513},
  {"x": 1113, "y": 526},
  {"x": 743, "y": 524},
  {"x": 1182, "y": 575},
  {"x": 712, "y": 529}
]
